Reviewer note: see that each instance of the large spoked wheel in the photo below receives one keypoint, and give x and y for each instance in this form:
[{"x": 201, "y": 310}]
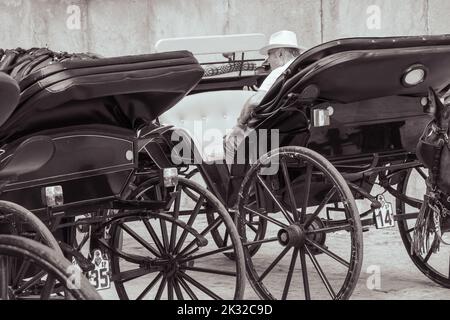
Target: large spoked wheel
[
  {"x": 434, "y": 265},
  {"x": 173, "y": 255},
  {"x": 309, "y": 251},
  {"x": 53, "y": 273},
  {"x": 14, "y": 217}
]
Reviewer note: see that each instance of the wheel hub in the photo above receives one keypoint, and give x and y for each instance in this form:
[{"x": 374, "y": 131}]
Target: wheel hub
[
  {"x": 296, "y": 235},
  {"x": 292, "y": 236}
]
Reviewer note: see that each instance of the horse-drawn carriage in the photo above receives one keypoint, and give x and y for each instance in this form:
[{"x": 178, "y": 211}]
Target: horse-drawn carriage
[{"x": 348, "y": 115}]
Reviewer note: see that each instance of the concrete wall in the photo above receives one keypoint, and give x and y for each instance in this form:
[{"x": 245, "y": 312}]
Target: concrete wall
[{"x": 117, "y": 27}]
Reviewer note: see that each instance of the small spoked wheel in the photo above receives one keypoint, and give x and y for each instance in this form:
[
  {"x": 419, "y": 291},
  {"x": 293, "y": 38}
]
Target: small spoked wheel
[
  {"x": 171, "y": 254},
  {"x": 433, "y": 264},
  {"x": 310, "y": 250},
  {"x": 53, "y": 276}
]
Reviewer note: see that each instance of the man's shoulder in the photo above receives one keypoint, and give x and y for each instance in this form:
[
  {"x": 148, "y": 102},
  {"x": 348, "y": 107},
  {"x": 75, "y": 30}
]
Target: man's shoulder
[{"x": 272, "y": 77}]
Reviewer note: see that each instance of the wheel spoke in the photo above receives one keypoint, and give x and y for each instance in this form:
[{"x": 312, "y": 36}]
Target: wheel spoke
[
  {"x": 164, "y": 234},
  {"x": 21, "y": 272},
  {"x": 254, "y": 243},
  {"x": 30, "y": 283},
  {"x": 319, "y": 209},
  {"x": 210, "y": 271},
  {"x": 48, "y": 287},
  {"x": 178, "y": 292},
  {"x": 411, "y": 230},
  {"x": 321, "y": 273},
  {"x": 225, "y": 238},
  {"x": 329, "y": 253},
  {"x": 139, "y": 239},
  {"x": 288, "y": 183},
  {"x": 274, "y": 263},
  {"x": 186, "y": 288},
  {"x": 280, "y": 206},
  {"x": 161, "y": 288},
  {"x": 4, "y": 277},
  {"x": 208, "y": 229},
  {"x": 129, "y": 275},
  {"x": 305, "y": 274},
  {"x": 200, "y": 287},
  {"x": 344, "y": 227},
  {"x": 191, "y": 220},
  {"x": 430, "y": 253},
  {"x": 176, "y": 213},
  {"x": 154, "y": 236},
  {"x": 309, "y": 170},
  {"x": 170, "y": 289},
  {"x": 266, "y": 217},
  {"x": 149, "y": 287},
  {"x": 289, "y": 276},
  {"x": 205, "y": 254},
  {"x": 421, "y": 173},
  {"x": 252, "y": 227}
]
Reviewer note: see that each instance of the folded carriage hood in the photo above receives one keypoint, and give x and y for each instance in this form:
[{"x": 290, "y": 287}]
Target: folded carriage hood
[
  {"x": 352, "y": 70},
  {"x": 124, "y": 92}
]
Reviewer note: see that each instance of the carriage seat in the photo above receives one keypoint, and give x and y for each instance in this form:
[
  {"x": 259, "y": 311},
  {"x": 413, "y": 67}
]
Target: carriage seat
[
  {"x": 9, "y": 96},
  {"x": 208, "y": 117}
]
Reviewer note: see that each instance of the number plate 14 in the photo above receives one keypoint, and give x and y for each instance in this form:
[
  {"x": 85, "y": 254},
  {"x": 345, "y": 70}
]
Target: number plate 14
[{"x": 384, "y": 216}]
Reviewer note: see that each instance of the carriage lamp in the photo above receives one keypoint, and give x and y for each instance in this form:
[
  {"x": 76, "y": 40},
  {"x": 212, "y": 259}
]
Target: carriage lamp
[
  {"x": 53, "y": 196},
  {"x": 170, "y": 177},
  {"x": 322, "y": 117},
  {"x": 414, "y": 75}
]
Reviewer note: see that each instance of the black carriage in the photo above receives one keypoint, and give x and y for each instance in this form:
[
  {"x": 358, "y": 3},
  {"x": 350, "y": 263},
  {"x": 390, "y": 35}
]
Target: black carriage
[
  {"x": 350, "y": 114},
  {"x": 75, "y": 154}
]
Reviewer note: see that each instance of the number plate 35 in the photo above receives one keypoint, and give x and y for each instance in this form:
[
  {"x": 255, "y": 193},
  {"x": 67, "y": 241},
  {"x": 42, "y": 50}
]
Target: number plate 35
[
  {"x": 384, "y": 216},
  {"x": 100, "y": 277}
]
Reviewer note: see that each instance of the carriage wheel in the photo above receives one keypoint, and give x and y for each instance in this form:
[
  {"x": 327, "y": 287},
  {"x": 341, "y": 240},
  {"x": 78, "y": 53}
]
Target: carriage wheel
[
  {"x": 52, "y": 271},
  {"x": 435, "y": 265},
  {"x": 15, "y": 215},
  {"x": 256, "y": 226},
  {"x": 165, "y": 259},
  {"x": 309, "y": 252}
]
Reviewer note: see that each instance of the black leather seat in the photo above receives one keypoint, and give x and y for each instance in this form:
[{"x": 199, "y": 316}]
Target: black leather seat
[{"x": 9, "y": 96}]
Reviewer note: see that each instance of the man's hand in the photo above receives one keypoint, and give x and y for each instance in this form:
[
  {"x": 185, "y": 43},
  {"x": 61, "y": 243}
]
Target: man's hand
[{"x": 249, "y": 107}]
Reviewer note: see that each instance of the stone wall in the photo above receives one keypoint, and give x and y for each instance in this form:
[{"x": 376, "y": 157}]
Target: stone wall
[{"x": 117, "y": 27}]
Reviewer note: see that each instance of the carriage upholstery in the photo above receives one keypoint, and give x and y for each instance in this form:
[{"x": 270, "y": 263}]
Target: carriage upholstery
[{"x": 123, "y": 91}]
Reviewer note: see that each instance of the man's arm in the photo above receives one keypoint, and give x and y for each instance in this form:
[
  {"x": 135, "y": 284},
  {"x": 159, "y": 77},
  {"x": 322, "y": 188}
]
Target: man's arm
[{"x": 249, "y": 107}]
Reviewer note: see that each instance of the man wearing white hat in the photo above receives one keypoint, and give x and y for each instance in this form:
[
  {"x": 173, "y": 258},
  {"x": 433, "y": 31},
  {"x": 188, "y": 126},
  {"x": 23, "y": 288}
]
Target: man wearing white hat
[{"x": 282, "y": 50}]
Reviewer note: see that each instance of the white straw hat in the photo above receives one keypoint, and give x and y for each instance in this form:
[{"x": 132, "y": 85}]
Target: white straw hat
[{"x": 282, "y": 39}]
